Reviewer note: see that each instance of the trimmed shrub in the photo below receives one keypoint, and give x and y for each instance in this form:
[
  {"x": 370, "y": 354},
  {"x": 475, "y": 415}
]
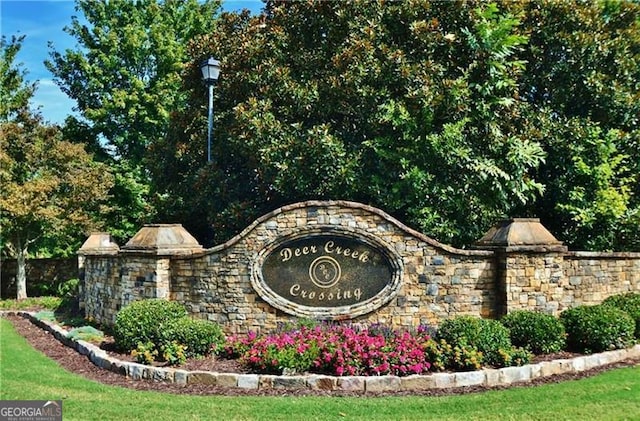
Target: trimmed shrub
[
  {"x": 629, "y": 302},
  {"x": 489, "y": 337},
  {"x": 597, "y": 328},
  {"x": 444, "y": 356},
  {"x": 539, "y": 333},
  {"x": 199, "y": 337},
  {"x": 144, "y": 321}
]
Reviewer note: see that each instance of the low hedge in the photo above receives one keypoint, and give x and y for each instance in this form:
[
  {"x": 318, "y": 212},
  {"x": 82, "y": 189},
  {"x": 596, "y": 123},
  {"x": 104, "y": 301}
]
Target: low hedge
[
  {"x": 199, "y": 337},
  {"x": 488, "y": 336},
  {"x": 629, "y": 302},
  {"x": 144, "y": 321},
  {"x": 597, "y": 328},
  {"x": 538, "y": 332}
]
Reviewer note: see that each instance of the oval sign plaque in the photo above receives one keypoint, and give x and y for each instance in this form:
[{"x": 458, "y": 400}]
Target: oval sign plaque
[{"x": 326, "y": 275}]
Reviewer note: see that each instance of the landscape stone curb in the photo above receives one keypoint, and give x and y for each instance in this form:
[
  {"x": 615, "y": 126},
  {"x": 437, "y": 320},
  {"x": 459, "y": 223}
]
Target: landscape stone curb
[{"x": 487, "y": 377}]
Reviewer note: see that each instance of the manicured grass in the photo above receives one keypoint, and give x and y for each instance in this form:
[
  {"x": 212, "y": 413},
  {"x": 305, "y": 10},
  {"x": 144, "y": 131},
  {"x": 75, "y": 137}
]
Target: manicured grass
[{"x": 27, "y": 374}]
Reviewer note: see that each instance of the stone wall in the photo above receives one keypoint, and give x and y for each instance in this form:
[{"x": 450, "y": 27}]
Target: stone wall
[
  {"x": 516, "y": 265},
  {"x": 43, "y": 275}
]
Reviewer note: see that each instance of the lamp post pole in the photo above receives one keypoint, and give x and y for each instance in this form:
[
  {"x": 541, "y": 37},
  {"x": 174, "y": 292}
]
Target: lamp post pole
[
  {"x": 210, "y": 130},
  {"x": 210, "y": 71}
]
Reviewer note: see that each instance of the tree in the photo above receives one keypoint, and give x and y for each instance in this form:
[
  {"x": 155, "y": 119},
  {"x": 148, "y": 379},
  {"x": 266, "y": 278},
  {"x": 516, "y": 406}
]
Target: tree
[
  {"x": 412, "y": 107},
  {"x": 125, "y": 75},
  {"x": 14, "y": 91},
  {"x": 50, "y": 187},
  {"x": 450, "y": 115},
  {"x": 583, "y": 79}
]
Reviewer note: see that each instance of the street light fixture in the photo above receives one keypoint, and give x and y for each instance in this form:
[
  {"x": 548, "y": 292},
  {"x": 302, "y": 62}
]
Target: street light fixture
[{"x": 210, "y": 71}]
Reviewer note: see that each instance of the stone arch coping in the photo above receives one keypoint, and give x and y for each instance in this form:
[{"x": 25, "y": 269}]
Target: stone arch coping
[
  {"x": 342, "y": 204},
  {"x": 487, "y": 377}
]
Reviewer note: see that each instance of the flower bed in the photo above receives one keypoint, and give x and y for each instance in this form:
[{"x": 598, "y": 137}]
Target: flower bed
[
  {"x": 387, "y": 383},
  {"x": 335, "y": 350}
]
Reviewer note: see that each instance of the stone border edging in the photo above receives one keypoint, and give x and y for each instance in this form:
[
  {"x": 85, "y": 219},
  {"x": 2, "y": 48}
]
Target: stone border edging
[{"x": 486, "y": 377}]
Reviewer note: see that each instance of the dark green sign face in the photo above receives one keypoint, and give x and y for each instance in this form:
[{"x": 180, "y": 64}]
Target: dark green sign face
[{"x": 326, "y": 271}]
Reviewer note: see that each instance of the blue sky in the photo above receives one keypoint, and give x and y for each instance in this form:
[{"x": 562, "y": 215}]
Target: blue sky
[{"x": 43, "y": 21}]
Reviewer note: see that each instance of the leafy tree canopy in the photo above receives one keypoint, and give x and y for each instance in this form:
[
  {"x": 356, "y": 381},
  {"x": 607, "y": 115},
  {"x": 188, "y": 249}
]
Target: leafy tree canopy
[
  {"x": 413, "y": 107},
  {"x": 52, "y": 190},
  {"x": 448, "y": 114},
  {"x": 125, "y": 75},
  {"x": 14, "y": 91}
]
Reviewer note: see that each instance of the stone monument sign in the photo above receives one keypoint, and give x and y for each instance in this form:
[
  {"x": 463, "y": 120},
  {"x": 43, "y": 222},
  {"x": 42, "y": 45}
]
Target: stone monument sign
[
  {"x": 327, "y": 274},
  {"x": 337, "y": 260}
]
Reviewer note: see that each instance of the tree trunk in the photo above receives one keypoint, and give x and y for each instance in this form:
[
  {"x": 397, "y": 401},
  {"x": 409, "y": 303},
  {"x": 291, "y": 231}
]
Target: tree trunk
[{"x": 21, "y": 276}]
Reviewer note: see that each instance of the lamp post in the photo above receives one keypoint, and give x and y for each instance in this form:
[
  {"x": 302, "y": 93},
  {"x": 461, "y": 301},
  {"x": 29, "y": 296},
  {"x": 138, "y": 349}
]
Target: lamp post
[{"x": 210, "y": 71}]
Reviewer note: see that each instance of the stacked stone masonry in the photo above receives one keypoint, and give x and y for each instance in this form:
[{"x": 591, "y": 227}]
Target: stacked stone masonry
[{"x": 500, "y": 275}]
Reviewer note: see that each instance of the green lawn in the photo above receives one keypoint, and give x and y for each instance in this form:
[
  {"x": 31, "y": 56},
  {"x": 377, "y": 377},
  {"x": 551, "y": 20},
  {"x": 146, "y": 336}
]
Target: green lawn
[{"x": 27, "y": 374}]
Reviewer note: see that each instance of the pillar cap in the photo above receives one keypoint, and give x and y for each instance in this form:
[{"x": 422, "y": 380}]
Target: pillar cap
[
  {"x": 163, "y": 239},
  {"x": 526, "y": 234},
  {"x": 99, "y": 243}
]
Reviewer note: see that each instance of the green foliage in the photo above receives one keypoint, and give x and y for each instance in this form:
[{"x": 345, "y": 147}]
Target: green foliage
[
  {"x": 591, "y": 191},
  {"x": 582, "y": 76},
  {"x": 410, "y": 108},
  {"x": 15, "y": 92},
  {"x": 159, "y": 328},
  {"x": 539, "y": 333},
  {"x": 459, "y": 357},
  {"x": 447, "y": 115},
  {"x": 145, "y": 321},
  {"x": 513, "y": 357},
  {"x": 489, "y": 337},
  {"x": 145, "y": 353},
  {"x": 46, "y": 315},
  {"x": 629, "y": 302},
  {"x": 86, "y": 333},
  {"x": 199, "y": 337},
  {"x": 50, "y": 303},
  {"x": 69, "y": 288},
  {"x": 174, "y": 352},
  {"x": 125, "y": 75},
  {"x": 597, "y": 328},
  {"x": 51, "y": 188}
]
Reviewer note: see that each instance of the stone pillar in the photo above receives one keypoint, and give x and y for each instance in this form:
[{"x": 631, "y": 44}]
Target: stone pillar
[
  {"x": 98, "y": 246},
  {"x": 529, "y": 261},
  {"x": 146, "y": 271}
]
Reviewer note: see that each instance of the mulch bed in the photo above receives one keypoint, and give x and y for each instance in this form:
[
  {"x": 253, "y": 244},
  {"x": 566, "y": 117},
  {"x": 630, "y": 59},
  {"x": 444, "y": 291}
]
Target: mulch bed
[{"x": 72, "y": 361}]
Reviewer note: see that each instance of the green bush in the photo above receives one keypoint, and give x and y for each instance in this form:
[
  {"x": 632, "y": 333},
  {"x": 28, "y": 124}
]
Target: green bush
[
  {"x": 50, "y": 303},
  {"x": 489, "y": 337},
  {"x": 174, "y": 353},
  {"x": 444, "y": 356},
  {"x": 629, "y": 302},
  {"x": 516, "y": 356},
  {"x": 597, "y": 328},
  {"x": 539, "y": 333},
  {"x": 145, "y": 353},
  {"x": 144, "y": 321},
  {"x": 200, "y": 337},
  {"x": 68, "y": 289}
]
